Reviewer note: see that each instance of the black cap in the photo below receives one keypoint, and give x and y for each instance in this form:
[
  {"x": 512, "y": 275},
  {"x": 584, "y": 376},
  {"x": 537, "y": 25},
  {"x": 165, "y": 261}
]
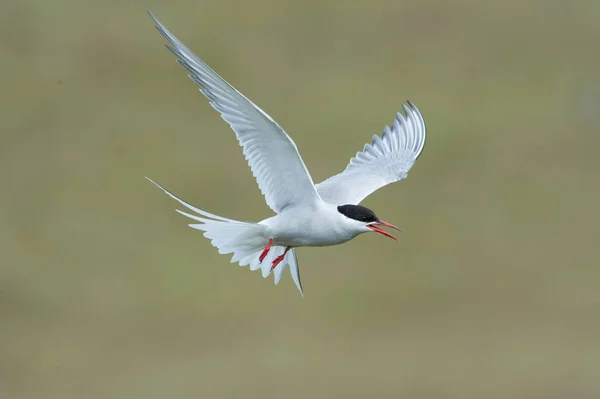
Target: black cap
[{"x": 358, "y": 212}]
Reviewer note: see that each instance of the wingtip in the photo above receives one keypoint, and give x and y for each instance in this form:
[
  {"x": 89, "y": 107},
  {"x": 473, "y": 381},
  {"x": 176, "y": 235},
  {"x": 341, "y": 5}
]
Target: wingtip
[
  {"x": 151, "y": 15},
  {"x": 407, "y": 109},
  {"x": 413, "y": 107},
  {"x": 157, "y": 23}
]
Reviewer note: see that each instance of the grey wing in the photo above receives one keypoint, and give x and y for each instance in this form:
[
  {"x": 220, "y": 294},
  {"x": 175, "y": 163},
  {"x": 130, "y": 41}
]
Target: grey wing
[
  {"x": 272, "y": 155},
  {"x": 385, "y": 160}
]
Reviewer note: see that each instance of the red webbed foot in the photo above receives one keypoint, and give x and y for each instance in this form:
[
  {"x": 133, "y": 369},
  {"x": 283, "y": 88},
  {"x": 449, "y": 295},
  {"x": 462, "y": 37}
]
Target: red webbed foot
[{"x": 279, "y": 259}]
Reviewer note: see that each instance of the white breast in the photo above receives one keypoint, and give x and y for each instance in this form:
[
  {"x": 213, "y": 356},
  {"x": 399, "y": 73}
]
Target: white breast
[{"x": 310, "y": 227}]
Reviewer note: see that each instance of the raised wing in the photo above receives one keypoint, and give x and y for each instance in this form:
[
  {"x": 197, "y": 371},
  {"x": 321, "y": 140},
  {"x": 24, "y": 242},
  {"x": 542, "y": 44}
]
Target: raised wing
[
  {"x": 272, "y": 155},
  {"x": 386, "y": 160}
]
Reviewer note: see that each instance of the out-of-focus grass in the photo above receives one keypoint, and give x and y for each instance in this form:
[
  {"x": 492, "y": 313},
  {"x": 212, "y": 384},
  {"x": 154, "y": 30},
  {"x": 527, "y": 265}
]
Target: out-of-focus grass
[{"x": 493, "y": 291}]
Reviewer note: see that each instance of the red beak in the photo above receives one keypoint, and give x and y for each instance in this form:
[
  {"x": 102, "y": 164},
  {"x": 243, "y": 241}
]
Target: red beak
[{"x": 376, "y": 229}]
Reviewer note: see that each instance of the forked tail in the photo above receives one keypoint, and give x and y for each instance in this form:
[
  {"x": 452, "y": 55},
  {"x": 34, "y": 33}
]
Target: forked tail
[{"x": 245, "y": 240}]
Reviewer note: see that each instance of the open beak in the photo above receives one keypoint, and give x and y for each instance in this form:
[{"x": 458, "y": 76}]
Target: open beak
[{"x": 373, "y": 226}]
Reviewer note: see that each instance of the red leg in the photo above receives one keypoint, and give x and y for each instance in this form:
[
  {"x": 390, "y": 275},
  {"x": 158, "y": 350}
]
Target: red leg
[
  {"x": 279, "y": 258},
  {"x": 264, "y": 253}
]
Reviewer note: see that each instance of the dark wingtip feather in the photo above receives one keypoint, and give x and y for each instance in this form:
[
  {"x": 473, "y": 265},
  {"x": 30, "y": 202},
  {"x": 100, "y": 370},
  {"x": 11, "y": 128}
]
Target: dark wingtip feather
[{"x": 152, "y": 16}]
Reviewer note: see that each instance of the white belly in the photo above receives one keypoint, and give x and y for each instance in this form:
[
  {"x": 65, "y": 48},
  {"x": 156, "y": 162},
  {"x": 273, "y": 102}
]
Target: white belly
[{"x": 316, "y": 229}]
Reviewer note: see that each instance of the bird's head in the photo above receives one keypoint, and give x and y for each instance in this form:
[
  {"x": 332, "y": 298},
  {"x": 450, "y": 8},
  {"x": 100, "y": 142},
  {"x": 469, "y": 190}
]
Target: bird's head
[{"x": 365, "y": 219}]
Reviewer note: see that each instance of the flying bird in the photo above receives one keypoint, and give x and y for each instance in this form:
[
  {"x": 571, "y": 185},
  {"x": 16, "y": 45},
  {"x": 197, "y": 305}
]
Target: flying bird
[{"x": 307, "y": 215}]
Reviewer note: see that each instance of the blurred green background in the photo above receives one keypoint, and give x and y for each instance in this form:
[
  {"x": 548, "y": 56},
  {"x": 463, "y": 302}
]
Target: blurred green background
[{"x": 492, "y": 292}]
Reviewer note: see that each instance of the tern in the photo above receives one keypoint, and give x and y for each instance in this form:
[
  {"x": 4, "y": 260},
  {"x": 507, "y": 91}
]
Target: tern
[{"x": 305, "y": 214}]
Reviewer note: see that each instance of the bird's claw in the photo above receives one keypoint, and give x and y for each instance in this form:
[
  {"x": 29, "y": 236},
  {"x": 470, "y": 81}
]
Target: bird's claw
[{"x": 277, "y": 261}]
